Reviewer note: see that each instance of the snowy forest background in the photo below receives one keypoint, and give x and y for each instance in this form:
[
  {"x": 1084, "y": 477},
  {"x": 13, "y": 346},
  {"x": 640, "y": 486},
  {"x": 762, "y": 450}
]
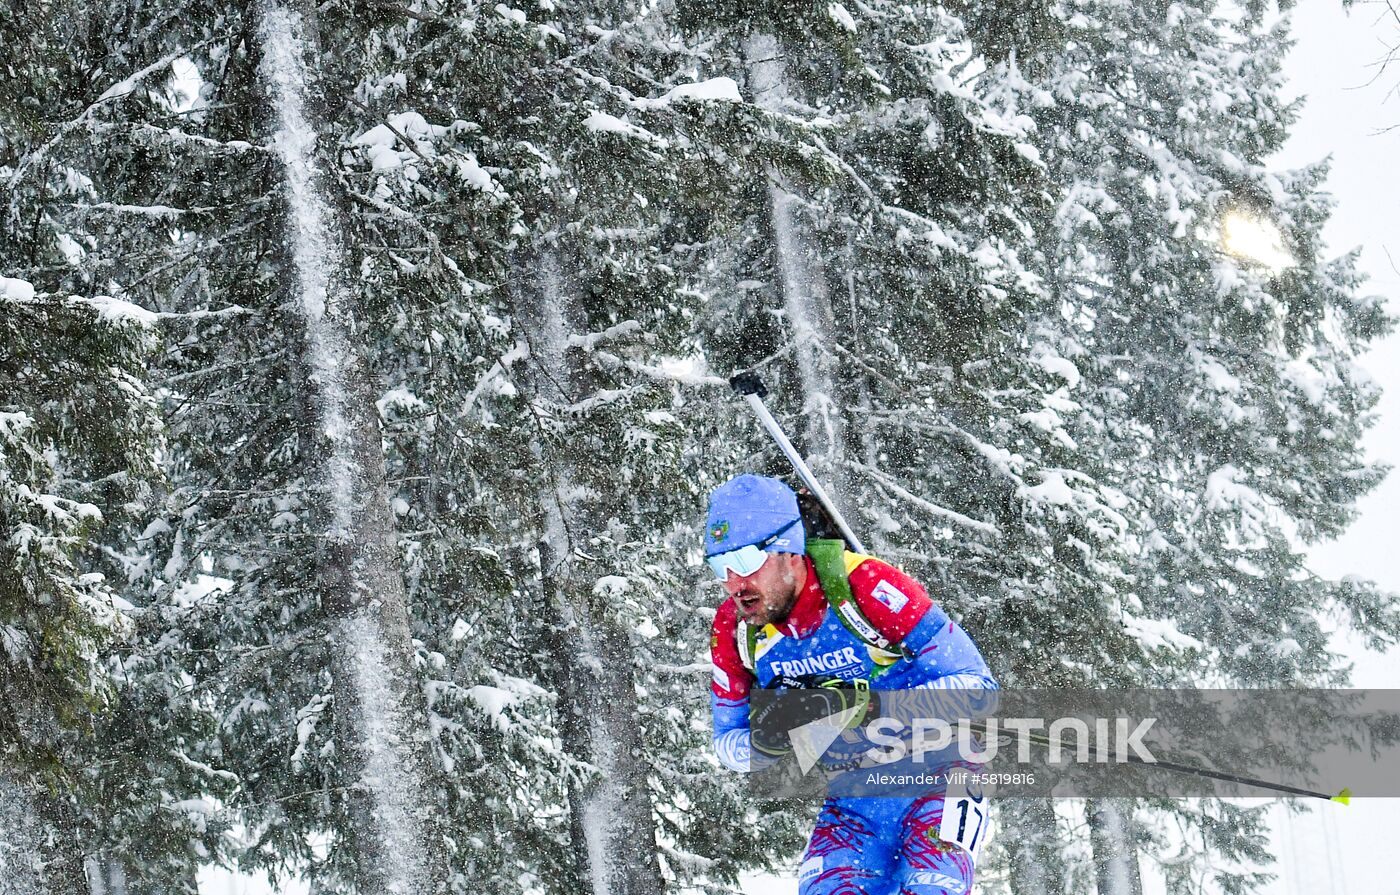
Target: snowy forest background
[{"x": 357, "y": 412}]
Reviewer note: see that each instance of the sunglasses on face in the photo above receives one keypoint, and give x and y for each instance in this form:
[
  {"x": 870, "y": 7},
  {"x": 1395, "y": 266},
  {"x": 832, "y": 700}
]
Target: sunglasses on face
[
  {"x": 745, "y": 560},
  {"x": 742, "y": 562}
]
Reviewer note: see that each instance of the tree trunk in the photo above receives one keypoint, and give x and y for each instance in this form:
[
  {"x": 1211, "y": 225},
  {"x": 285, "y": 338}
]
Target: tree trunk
[
  {"x": 1030, "y": 831},
  {"x": 107, "y": 876},
  {"x": 590, "y": 662},
  {"x": 381, "y": 727},
  {"x": 806, "y": 293},
  {"x": 41, "y": 852},
  {"x": 1113, "y": 839}
]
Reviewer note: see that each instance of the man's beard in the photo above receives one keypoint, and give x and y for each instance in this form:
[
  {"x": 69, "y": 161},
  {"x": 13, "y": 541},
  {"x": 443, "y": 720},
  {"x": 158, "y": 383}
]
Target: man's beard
[{"x": 771, "y": 609}]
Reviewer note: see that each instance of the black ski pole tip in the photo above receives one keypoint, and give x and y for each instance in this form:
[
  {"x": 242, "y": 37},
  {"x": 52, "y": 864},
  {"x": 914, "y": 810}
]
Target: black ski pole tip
[{"x": 748, "y": 383}]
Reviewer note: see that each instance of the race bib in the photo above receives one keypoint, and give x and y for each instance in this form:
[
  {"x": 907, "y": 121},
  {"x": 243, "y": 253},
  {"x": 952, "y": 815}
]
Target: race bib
[{"x": 966, "y": 819}]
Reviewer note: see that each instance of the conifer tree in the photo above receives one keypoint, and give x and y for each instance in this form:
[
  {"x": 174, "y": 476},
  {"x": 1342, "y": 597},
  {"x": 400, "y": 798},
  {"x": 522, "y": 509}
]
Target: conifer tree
[
  {"x": 80, "y": 462},
  {"x": 987, "y": 152},
  {"x": 1205, "y": 405},
  {"x": 974, "y": 247},
  {"x": 76, "y": 443}
]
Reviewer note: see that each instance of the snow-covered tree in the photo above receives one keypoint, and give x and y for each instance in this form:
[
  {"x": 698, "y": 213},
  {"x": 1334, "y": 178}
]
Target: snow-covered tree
[
  {"x": 76, "y": 444},
  {"x": 80, "y": 459},
  {"x": 316, "y": 408},
  {"x": 1023, "y": 207},
  {"x": 445, "y": 294},
  {"x": 1206, "y": 412}
]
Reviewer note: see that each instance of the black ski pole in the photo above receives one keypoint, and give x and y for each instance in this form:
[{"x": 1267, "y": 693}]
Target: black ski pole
[
  {"x": 1344, "y": 797},
  {"x": 751, "y": 387}
]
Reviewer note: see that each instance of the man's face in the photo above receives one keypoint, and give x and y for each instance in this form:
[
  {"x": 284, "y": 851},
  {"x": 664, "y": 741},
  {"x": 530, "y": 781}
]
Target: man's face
[{"x": 767, "y": 596}]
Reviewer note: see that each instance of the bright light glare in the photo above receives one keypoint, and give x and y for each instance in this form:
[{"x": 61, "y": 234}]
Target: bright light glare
[{"x": 1256, "y": 239}]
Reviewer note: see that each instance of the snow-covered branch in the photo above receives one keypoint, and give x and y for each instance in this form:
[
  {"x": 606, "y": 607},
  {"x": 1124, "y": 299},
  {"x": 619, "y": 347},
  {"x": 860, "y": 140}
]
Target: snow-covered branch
[
  {"x": 691, "y": 668},
  {"x": 590, "y": 341},
  {"x": 929, "y": 507},
  {"x": 152, "y": 134},
  {"x": 660, "y": 374},
  {"x": 117, "y": 91}
]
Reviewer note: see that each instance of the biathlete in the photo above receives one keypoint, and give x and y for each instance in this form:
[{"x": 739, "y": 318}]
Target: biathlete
[{"x": 802, "y": 613}]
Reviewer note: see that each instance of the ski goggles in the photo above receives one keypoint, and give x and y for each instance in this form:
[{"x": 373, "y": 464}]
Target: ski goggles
[{"x": 747, "y": 559}]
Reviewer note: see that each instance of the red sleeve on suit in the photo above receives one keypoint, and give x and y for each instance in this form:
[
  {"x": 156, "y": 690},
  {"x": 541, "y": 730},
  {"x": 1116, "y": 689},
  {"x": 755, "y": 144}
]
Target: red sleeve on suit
[
  {"x": 890, "y": 599},
  {"x": 730, "y": 679}
]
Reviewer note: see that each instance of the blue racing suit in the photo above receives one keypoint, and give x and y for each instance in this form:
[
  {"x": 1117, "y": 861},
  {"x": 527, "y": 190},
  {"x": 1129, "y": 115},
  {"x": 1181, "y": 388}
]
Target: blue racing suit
[{"x": 862, "y": 845}]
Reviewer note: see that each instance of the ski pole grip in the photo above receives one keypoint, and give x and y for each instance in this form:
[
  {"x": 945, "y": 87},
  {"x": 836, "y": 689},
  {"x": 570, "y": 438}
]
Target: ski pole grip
[{"x": 748, "y": 383}]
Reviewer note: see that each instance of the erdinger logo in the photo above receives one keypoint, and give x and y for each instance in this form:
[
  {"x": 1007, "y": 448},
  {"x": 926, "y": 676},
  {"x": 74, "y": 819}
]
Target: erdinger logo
[{"x": 836, "y": 660}]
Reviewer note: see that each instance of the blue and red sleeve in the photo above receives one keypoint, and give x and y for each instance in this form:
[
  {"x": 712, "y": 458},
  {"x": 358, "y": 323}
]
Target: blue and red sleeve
[{"x": 730, "y": 683}]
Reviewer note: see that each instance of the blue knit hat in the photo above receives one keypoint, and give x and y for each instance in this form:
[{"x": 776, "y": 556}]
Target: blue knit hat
[{"x": 748, "y": 509}]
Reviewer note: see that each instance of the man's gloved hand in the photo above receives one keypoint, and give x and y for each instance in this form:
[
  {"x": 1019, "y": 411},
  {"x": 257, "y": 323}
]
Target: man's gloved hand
[
  {"x": 854, "y": 694},
  {"x": 821, "y": 696},
  {"x": 769, "y": 727}
]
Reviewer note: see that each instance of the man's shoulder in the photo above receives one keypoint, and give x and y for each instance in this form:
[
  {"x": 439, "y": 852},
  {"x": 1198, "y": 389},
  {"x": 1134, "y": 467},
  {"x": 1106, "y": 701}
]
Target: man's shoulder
[
  {"x": 867, "y": 573},
  {"x": 867, "y": 564},
  {"x": 890, "y": 599},
  {"x": 863, "y": 571}
]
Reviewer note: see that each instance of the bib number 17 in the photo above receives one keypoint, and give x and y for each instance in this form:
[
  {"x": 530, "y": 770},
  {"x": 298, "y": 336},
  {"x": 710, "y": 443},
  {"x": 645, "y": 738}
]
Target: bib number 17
[{"x": 965, "y": 816}]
